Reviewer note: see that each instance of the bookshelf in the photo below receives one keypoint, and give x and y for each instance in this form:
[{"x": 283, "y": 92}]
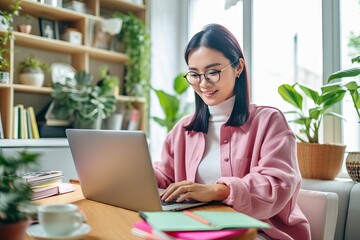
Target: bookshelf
[{"x": 81, "y": 57}]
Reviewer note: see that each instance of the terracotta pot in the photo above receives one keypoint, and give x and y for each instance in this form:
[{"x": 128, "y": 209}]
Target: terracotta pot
[
  {"x": 353, "y": 165},
  {"x": 24, "y": 28},
  {"x": 320, "y": 161},
  {"x": 14, "y": 231}
]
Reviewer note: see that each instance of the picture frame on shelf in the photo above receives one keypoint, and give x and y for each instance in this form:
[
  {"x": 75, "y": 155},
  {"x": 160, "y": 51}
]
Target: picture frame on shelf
[{"x": 48, "y": 28}]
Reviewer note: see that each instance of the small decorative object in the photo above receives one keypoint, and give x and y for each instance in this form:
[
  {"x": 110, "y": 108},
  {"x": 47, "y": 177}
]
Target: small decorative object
[
  {"x": 31, "y": 71},
  {"x": 15, "y": 195},
  {"x": 61, "y": 71},
  {"x": 48, "y": 28},
  {"x": 78, "y": 6},
  {"x": 353, "y": 165},
  {"x": 25, "y": 22},
  {"x": 72, "y": 35},
  {"x": 4, "y": 77},
  {"x": 51, "y": 2}
]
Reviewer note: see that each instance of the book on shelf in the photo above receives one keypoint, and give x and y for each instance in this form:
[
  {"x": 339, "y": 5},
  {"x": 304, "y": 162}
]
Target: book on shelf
[
  {"x": 33, "y": 123},
  {"x": 16, "y": 122},
  {"x": 23, "y": 126},
  {"x": 28, "y": 123},
  {"x": 1, "y": 128}
]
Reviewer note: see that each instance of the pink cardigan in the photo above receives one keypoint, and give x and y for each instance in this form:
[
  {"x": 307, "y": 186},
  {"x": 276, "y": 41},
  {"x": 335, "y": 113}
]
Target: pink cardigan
[{"x": 258, "y": 164}]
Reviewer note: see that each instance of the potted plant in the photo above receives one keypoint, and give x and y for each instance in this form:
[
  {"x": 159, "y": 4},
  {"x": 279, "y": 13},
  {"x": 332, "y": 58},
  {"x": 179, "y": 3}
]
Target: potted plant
[
  {"x": 15, "y": 194},
  {"x": 25, "y": 23},
  {"x": 320, "y": 161},
  {"x": 353, "y": 89},
  {"x": 31, "y": 71},
  {"x": 173, "y": 106},
  {"x": 6, "y": 34},
  {"x": 87, "y": 103},
  {"x": 136, "y": 39}
]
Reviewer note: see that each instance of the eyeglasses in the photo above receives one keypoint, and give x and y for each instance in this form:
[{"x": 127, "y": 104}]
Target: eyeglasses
[{"x": 212, "y": 76}]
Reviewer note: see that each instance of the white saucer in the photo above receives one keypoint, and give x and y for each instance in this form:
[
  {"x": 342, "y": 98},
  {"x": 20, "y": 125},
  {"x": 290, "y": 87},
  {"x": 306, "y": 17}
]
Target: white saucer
[{"x": 37, "y": 231}]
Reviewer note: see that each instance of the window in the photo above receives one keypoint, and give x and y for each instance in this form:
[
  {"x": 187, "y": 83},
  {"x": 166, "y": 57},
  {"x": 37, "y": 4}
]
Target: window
[
  {"x": 350, "y": 29},
  {"x": 287, "y": 47},
  {"x": 215, "y": 12}
]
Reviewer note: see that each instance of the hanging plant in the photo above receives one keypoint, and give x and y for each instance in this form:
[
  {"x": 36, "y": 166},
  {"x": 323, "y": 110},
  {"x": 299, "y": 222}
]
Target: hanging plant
[
  {"x": 136, "y": 38},
  {"x": 6, "y": 20}
]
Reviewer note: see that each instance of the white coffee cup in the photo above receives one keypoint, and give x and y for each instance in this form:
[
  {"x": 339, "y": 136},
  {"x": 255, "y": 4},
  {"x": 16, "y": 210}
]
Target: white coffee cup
[{"x": 60, "y": 220}]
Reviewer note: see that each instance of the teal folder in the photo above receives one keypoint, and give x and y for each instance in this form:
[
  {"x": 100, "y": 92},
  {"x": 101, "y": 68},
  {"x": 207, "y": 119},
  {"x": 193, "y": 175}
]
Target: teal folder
[{"x": 178, "y": 221}]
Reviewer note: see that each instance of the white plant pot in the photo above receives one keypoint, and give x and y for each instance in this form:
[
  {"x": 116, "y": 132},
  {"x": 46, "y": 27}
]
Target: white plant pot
[{"x": 33, "y": 79}]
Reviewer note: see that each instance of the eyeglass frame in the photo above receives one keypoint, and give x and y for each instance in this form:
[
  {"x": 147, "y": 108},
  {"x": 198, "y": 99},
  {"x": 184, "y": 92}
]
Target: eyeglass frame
[{"x": 203, "y": 74}]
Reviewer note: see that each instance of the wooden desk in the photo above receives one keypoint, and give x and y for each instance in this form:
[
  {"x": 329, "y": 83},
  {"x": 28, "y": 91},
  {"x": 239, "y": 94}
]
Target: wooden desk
[{"x": 108, "y": 222}]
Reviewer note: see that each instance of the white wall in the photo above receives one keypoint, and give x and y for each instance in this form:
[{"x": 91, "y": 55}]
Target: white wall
[{"x": 168, "y": 28}]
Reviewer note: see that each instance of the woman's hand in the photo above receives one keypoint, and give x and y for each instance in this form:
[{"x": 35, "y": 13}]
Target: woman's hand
[{"x": 196, "y": 191}]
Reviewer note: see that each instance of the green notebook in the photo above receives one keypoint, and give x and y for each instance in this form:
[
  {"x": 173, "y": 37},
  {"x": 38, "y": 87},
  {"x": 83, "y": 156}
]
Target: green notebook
[{"x": 178, "y": 221}]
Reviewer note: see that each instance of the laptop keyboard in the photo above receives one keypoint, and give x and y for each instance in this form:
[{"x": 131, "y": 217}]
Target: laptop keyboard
[{"x": 169, "y": 203}]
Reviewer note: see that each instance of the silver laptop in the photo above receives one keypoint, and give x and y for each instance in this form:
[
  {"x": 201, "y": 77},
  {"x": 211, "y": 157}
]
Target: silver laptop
[{"x": 114, "y": 167}]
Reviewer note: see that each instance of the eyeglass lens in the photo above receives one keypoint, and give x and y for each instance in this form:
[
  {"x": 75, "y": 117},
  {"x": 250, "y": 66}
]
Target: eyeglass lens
[{"x": 211, "y": 76}]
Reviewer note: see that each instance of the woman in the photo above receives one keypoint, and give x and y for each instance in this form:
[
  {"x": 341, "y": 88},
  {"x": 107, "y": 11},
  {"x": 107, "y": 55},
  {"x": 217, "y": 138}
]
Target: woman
[{"x": 230, "y": 150}]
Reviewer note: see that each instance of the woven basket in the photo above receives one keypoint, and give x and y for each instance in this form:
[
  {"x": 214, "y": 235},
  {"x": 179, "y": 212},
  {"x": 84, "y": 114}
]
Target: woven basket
[
  {"x": 320, "y": 161},
  {"x": 353, "y": 165}
]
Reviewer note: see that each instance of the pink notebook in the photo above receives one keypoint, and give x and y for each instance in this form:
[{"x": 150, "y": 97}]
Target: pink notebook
[{"x": 194, "y": 235}]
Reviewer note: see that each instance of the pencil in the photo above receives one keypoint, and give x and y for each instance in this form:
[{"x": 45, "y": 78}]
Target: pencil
[{"x": 198, "y": 218}]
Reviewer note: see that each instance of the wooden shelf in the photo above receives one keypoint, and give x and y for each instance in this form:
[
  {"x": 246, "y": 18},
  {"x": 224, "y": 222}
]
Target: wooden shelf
[
  {"x": 81, "y": 57},
  {"x": 29, "y": 40},
  {"x": 31, "y": 89}
]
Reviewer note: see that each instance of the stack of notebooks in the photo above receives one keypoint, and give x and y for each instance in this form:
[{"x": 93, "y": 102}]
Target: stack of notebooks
[
  {"x": 186, "y": 225},
  {"x": 46, "y": 183}
]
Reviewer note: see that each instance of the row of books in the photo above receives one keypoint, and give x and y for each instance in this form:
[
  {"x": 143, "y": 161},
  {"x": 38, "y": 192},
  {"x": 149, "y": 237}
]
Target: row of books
[
  {"x": 46, "y": 183},
  {"x": 25, "y": 125}
]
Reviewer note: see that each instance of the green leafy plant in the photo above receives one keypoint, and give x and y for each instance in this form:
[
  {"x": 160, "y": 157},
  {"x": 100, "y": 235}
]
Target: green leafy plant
[
  {"x": 172, "y": 105},
  {"x": 136, "y": 39},
  {"x": 7, "y": 18},
  {"x": 82, "y": 100},
  {"x": 311, "y": 119},
  {"x": 31, "y": 64},
  {"x": 15, "y": 193},
  {"x": 351, "y": 87}
]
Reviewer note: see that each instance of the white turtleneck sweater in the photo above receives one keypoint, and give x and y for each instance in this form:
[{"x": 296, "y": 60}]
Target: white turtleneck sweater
[{"x": 209, "y": 169}]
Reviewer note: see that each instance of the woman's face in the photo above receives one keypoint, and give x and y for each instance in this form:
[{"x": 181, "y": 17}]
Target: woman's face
[{"x": 203, "y": 59}]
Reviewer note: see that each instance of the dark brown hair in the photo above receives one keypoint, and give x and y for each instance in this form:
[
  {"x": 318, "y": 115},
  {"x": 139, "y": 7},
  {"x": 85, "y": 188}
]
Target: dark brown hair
[{"x": 219, "y": 38}]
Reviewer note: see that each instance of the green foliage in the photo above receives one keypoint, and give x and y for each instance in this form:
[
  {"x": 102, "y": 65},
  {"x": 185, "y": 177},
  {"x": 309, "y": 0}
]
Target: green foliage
[
  {"x": 172, "y": 104},
  {"x": 310, "y": 121},
  {"x": 136, "y": 38},
  {"x": 7, "y": 20},
  {"x": 31, "y": 64},
  {"x": 80, "y": 99},
  {"x": 352, "y": 87},
  {"x": 15, "y": 193}
]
